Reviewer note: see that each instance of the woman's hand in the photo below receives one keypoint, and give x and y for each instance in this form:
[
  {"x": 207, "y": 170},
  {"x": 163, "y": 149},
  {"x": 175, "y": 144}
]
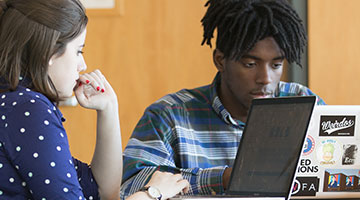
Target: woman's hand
[
  {"x": 93, "y": 91},
  {"x": 169, "y": 184}
]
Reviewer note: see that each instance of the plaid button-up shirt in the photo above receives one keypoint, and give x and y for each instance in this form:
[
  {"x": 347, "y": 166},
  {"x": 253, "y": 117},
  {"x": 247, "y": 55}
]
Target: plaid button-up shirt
[{"x": 189, "y": 132}]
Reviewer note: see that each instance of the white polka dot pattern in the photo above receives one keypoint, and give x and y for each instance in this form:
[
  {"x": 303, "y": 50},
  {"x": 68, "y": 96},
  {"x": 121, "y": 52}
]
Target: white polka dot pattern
[
  {"x": 36, "y": 155},
  {"x": 33, "y": 129}
]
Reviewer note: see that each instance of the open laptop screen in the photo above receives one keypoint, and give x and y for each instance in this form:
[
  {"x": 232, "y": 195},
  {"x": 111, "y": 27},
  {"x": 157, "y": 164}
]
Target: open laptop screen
[{"x": 270, "y": 146}]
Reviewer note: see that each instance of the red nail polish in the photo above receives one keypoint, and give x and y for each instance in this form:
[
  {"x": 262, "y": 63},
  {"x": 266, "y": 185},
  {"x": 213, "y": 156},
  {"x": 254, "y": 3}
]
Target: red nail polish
[
  {"x": 98, "y": 88},
  {"x": 80, "y": 83},
  {"x": 87, "y": 81},
  {"x": 102, "y": 90}
]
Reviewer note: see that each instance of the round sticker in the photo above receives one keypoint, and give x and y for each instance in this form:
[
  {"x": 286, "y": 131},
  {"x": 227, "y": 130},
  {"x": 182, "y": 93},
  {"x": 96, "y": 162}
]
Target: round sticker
[
  {"x": 309, "y": 145},
  {"x": 328, "y": 152}
]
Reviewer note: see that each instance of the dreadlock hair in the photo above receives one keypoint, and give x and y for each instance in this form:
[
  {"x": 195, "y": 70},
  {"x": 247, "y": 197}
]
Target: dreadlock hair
[{"x": 242, "y": 23}]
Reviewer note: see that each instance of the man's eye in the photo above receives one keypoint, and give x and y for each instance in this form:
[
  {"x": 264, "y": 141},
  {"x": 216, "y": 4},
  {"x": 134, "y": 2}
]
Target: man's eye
[
  {"x": 277, "y": 66},
  {"x": 80, "y": 52},
  {"x": 249, "y": 65}
]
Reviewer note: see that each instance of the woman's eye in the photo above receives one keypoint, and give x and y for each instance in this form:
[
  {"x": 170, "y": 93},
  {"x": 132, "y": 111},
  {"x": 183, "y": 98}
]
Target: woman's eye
[{"x": 80, "y": 52}]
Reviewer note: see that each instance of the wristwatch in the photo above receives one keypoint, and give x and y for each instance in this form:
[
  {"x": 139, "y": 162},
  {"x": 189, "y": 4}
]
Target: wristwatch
[{"x": 152, "y": 192}]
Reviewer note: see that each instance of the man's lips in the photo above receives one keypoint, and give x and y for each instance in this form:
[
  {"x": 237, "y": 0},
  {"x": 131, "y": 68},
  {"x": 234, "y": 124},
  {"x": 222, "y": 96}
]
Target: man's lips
[{"x": 261, "y": 94}]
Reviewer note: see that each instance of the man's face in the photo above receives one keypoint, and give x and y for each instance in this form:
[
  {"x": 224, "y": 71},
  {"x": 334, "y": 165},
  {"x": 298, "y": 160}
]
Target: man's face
[{"x": 256, "y": 75}]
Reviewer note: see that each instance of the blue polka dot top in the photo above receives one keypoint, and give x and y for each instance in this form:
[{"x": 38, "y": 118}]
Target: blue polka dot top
[{"x": 35, "y": 160}]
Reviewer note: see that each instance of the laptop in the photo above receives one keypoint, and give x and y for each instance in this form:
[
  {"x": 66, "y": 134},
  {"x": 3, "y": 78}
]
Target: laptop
[
  {"x": 329, "y": 167},
  {"x": 269, "y": 150}
]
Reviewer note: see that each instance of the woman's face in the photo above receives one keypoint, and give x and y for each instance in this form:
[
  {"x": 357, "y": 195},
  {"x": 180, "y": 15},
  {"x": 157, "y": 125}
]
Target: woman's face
[{"x": 64, "y": 70}]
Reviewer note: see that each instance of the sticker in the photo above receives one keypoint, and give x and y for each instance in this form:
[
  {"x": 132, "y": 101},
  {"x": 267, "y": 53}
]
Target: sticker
[
  {"x": 306, "y": 167},
  {"x": 328, "y": 152},
  {"x": 341, "y": 180},
  {"x": 337, "y": 125},
  {"x": 309, "y": 145},
  {"x": 333, "y": 181},
  {"x": 349, "y": 181},
  {"x": 305, "y": 186},
  {"x": 349, "y": 154}
]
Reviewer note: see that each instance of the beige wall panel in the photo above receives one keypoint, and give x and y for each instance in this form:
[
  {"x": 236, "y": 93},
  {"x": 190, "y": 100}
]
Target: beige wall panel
[
  {"x": 334, "y": 50},
  {"x": 151, "y": 50}
]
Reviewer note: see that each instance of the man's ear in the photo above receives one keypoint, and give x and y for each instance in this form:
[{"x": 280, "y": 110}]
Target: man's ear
[{"x": 219, "y": 60}]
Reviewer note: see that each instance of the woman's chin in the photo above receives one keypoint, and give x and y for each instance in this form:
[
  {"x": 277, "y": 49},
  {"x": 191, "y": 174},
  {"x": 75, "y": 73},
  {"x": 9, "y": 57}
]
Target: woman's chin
[{"x": 63, "y": 96}]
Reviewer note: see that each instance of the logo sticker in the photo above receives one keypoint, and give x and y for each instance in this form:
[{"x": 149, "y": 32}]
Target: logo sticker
[
  {"x": 328, "y": 152},
  {"x": 306, "y": 167},
  {"x": 337, "y": 126},
  {"x": 309, "y": 145},
  {"x": 305, "y": 186},
  {"x": 350, "y": 154},
  {"x": 337, "y": 180}
]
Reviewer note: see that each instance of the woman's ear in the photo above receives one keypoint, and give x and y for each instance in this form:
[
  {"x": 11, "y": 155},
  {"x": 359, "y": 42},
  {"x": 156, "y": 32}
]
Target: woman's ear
[{"x": 219, "y": 60}]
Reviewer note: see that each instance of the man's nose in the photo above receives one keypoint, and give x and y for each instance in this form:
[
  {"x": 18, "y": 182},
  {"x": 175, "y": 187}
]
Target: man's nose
[{"x": 263, "y": 75}]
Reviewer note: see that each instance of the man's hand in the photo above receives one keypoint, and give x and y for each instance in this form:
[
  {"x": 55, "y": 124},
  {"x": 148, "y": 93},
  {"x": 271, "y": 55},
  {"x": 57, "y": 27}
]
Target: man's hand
[{"x": 226, "y": 177}]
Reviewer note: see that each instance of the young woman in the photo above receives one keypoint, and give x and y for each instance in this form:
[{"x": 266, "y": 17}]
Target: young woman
[{"x": 41, "y": 59}]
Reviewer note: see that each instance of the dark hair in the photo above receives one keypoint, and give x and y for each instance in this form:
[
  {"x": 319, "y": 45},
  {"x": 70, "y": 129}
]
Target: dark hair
[
  {"x": 31, "y": 32},
  {"x": 242, "y": 23}
]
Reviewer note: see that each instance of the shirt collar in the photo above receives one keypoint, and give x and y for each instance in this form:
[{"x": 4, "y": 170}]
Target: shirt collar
[
  {"x": 219, "y": 107},
  {"x": 24, "y": 83}
]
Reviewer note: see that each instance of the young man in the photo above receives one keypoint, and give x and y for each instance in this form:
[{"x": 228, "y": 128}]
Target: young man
[{"x": 196, "y": 132}]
